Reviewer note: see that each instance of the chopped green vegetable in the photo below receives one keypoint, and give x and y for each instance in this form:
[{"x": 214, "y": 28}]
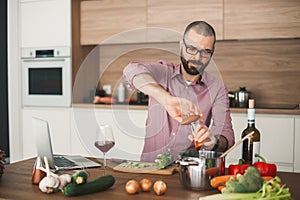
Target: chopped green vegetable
[
  {"x": 137, "y": 165},
  {"x": 251, "y": 181},
  {"x": 163, "y": 160}
]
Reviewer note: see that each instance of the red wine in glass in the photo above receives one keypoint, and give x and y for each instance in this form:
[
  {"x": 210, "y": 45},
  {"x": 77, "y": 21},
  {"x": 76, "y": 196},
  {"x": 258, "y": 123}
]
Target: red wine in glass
[
  {"x": 104, "y": 146},
  {"x": 104, "y": 140}
]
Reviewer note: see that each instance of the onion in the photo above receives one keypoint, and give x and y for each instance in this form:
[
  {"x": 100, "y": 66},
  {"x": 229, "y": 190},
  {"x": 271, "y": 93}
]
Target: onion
[
  {"x": 145, "y": 185},
  {"x": 132, "y": 187},
  {"x": 159, "y": 187}
]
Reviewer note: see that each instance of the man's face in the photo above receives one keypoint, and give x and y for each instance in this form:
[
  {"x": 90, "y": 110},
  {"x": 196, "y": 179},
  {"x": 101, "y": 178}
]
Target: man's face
[{"x": 196, "y": 51}]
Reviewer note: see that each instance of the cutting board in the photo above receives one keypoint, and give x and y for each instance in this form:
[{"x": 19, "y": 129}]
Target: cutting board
[{"x": 148, "y": 170}]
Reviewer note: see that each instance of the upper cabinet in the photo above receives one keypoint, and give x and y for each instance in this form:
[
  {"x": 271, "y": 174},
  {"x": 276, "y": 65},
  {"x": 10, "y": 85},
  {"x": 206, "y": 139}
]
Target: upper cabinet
[
  {"x": 45, "y": 23},
  {"x": 258, "y": 19},
  {"x": 144, "y": 20},
  {"x": 178, "y": 14},
  {"x": 103, "y": 19}
]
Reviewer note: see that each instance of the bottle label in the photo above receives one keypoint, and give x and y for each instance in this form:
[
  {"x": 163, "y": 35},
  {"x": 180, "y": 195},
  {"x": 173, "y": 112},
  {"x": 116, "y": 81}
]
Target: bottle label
[{"x": 256, "y": 150}]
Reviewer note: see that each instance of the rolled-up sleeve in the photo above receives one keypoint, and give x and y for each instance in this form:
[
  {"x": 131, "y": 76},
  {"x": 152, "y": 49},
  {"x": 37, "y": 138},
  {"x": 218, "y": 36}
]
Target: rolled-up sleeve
[{"x": 131, "y": 70}]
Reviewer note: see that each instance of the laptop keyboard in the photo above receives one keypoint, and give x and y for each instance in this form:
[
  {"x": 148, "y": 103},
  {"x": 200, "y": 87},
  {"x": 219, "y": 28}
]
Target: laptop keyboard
[{"x": 63, "y": 162}]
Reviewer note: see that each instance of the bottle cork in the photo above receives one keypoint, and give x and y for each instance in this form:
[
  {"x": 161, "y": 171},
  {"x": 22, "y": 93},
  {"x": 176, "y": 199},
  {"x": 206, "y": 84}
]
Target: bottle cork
[{"x": 251, "y": 103}]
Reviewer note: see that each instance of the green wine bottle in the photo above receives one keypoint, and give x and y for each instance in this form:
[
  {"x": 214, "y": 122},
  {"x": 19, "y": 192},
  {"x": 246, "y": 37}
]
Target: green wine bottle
[{"x": 251, "y": 145}]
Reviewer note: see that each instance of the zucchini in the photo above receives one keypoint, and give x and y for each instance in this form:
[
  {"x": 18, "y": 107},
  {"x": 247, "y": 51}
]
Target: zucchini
[
  {"x": 80, "y": 177},
  {"x": 97, "y": 185}
]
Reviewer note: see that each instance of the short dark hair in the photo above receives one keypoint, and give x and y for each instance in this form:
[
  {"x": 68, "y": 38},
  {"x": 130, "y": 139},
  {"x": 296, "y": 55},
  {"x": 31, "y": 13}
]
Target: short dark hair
[{"x": 202, "y": 28}]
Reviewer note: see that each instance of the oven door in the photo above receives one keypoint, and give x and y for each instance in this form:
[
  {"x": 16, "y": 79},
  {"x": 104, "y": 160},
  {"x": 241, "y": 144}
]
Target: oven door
[{"x": 46, "y": 82}]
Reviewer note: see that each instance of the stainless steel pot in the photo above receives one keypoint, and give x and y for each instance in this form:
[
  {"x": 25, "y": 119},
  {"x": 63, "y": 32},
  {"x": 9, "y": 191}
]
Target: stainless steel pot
[{"x": 197, "y": 168}]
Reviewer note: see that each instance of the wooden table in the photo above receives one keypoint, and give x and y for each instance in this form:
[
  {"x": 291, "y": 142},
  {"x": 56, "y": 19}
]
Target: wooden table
[{"x": 16, "y": 184}]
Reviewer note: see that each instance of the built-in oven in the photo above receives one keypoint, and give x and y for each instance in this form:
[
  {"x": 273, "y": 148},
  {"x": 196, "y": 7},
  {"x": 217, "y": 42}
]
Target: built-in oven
[{"x": 46, "y": 76}]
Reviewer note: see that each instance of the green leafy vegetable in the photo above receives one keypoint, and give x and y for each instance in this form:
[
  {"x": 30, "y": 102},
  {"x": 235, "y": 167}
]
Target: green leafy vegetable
[
  {"x": 163, "y": 160},
  {"x": 251, "y": 181},
  {"x": 136, "y": 165},
  {"x": 270, "y": 190}
]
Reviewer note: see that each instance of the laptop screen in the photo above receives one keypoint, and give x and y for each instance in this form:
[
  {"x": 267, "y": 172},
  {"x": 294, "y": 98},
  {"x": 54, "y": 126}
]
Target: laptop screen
[{"x": 43, "y": 140}]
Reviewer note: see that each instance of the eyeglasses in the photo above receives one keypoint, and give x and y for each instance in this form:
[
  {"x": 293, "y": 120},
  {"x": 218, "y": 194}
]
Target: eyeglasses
[{"x": 205, "y": 53}]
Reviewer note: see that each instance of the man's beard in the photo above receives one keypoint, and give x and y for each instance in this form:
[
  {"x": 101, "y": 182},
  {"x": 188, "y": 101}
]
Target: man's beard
[{"x": 193, "y": 70}]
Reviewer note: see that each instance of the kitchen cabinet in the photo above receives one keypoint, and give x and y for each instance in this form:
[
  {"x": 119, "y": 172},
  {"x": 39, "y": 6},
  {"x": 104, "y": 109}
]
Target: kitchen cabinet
[
  {"x": 178, "y": 14},
  {"x": 101, "y": 20},
  {"x": 45, "y": 23},
  {"x": 232, "y": 19},
  {"x": 128, "y": 127},
  {"x": 73, "y": 132},
  {"x": 297, "y": 145},
  {"x": 59, "y": 126},
  {"x": 258, "y": 19},
  {"x": 277, "y": 139}
]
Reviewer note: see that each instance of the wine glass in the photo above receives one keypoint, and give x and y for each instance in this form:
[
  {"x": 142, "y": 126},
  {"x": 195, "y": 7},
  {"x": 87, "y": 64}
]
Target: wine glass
[{"x": 104, "y": 140}]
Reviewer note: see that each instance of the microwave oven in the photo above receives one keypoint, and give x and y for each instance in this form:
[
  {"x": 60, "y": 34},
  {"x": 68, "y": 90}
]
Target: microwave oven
[{"x": 46, "y": 76}]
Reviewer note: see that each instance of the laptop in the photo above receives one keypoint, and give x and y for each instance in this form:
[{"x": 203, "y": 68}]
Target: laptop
[{"x": 44, "y": 148}]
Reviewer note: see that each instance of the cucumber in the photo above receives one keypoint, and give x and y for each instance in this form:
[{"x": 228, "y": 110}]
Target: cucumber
[
  {"x": 80, "y": 177},
  {"x": 97, "y": 185}
]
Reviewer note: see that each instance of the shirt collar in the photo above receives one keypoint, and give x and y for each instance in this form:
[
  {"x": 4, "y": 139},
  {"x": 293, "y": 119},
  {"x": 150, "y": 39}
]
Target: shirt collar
[{"x": 201, "y": 81}]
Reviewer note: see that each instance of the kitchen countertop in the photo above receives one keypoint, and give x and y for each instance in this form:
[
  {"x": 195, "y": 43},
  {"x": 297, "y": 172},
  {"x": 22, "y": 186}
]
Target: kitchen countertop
[
  {"x": 16, "y": 184},
  {"x": 283, "y": 111}
]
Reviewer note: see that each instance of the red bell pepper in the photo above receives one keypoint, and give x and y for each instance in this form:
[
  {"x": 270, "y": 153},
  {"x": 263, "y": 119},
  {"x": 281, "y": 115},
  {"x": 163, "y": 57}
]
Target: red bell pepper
[
  {"x": 265, "y": 169},
  {"x": 240, "y": 168}
]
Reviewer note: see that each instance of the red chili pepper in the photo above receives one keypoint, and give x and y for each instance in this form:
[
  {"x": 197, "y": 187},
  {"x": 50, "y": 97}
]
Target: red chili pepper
[
  {"x": 240, "y": 168},
  {"x": 265, "y": 169}
]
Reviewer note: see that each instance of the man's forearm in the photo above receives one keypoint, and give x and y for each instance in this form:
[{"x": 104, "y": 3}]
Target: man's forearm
[
  {"x": 222, "y": 144},
  {"x": 146, "y": 84},
  {"x": 175, "y": 106}
]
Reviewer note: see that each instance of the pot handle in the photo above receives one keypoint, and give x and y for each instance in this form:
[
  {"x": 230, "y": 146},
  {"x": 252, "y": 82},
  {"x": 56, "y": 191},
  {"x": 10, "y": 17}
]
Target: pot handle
[{"x": 186, "y": 163}]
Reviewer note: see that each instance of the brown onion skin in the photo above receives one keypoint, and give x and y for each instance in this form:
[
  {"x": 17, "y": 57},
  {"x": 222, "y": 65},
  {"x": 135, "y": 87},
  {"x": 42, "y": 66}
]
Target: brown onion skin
[
  {"x": 132, "y": 187},
  {"x": 145, "y": 185},
  {"x": 159, "y": 187}
]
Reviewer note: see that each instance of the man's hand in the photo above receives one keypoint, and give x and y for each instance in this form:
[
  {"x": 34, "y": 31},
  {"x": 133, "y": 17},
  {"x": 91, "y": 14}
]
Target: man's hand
[
  {"x": 178, "y": 108},
  {"x": 205, "y": 136}
]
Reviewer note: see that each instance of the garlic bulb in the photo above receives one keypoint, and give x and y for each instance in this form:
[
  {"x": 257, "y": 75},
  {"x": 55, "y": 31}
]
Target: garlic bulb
[{"x": 49, "y": 183}]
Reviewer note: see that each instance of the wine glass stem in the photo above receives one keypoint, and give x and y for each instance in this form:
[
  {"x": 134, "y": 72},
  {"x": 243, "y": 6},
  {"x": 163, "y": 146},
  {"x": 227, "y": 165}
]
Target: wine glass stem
[{"x": 104, "y": 163}]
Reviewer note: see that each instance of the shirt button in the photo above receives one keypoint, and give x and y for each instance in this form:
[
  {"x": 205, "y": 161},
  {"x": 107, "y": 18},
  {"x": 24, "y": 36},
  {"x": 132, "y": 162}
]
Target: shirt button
[{"x": 173, "y": 133}]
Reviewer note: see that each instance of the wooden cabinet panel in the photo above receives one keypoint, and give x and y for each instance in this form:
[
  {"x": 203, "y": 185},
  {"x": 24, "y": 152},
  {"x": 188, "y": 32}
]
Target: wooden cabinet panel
[
  {"x": 102, "y": 19},
  {"x": 250, "y": 19},
  {"x": 176, "y": 15},
  {"x": 268, "y": 68}
]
